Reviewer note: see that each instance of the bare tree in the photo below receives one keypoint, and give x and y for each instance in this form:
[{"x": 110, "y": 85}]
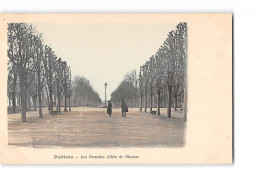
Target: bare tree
[
  {"x": 170, "y": 54},
  {"x": 32, "y": 84},
  {"x": 39, "y": 68},
  {"x": 181, "y": 34},
  {"x": 141, "y": 93},
  {"x": 151, "y": 80},
  {"x": 69, "y": 89},
  {"x": 167, "y": 69},
  {"x": 65, "y": 77},
  {"x": 131, "y": 78},
  {"x": 83, "y": 93},
  {"x": 49, "y": 59},
  {"x": 12, "y": 84},
  {"x": 58, "y": 75},
  {"x": 159, "y": 71},
  {"x": 19, "y": 53},
  {"x": 146, "y": 81},
  {"x": 124, "y": 90}
]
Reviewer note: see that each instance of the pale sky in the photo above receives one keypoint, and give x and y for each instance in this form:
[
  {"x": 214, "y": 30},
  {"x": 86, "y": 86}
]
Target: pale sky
[{"x": 104, "y": 52}]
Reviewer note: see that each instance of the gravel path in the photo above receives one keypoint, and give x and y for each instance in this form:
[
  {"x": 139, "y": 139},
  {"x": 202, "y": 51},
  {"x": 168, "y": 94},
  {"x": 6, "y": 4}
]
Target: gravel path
[{"x": 91, "y": 127}]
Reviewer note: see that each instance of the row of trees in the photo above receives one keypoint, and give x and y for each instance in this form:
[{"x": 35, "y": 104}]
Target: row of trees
[
  {"x": 162, "y": 79},
  {"x": 35, "y": 71},
  {"x": 83, "y": 94},
  {"x": 127, "y": 89}
]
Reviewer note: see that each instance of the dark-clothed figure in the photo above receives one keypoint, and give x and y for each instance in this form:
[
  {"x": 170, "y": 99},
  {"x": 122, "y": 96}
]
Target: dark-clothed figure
[
  {"x": 124, "y": 108},
  {"x": 109, "y": 108}
]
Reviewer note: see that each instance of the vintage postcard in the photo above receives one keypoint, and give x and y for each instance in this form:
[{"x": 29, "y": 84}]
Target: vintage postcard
[{"x": 116, "y": 88}]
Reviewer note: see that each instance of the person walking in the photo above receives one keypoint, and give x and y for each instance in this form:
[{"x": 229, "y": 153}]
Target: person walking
[
  {"x": 109, "y": 108},
  {"x": 124, "y": 108}
]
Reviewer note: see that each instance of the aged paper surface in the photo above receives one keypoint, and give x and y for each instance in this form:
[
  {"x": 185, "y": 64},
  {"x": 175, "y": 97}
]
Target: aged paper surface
[{"x": 208, "y": 130}]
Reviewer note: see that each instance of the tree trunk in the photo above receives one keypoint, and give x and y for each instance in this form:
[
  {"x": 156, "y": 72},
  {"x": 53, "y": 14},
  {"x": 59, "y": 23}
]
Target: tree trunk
[
  {"x": 50, "y": 95},
  {"x": 48, "y": 99},
  {"x": 158, "y": 102},
  {"x": 9, "y": 102},
  {"x": 34, "y": 102},
  {"x": 59, "y": 103},
  {"x": 13, "y": 93},
  {"x": 55, "y": 101},
  {"x": 50, "y": 86},
  {"x": 145, "y": 101},
  {"x": 40, "y": 104},
  {"x": 175, "y": 101},
  {"x": 65, "y": 104},
  {"x": 165, "y": 99},
  {"x": 13, "y": 103},
  {"x": 59, "y": 98},
  {"x": 151, "y": 99},
  {"x": 28, "y": 98},
  {"x": 69, "y": 103},
  {"x": 185, "y": 101},
  {"x": 19, "y": 101},
  {"x": 23, "y": 93},
  {"x": 39, "y": 96},
  {"x": 169, "y": 101},
  {"x": 141, "y": 102},
  {"x": 51, "y": 101}
]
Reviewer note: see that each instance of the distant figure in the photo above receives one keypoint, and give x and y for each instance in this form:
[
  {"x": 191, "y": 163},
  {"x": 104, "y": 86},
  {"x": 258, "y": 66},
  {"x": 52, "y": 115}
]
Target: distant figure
[
  {"x": 109, "y": 108},
  {"x": 124, "y": 108}
]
